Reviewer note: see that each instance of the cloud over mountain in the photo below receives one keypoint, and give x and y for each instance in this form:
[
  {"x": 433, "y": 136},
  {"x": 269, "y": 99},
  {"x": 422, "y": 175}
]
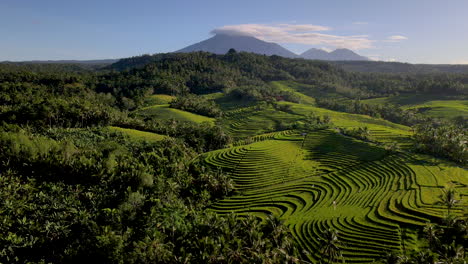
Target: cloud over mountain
[
  {"x": 307, "y": 34},
  {"x": 396, "y": 38}
]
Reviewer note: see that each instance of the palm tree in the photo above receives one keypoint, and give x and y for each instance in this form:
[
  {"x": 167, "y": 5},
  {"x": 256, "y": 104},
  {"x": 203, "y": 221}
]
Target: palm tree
[
  {"x": 404, "y": 260},
  {"x": 451, "y": 254},
  {"x": 448, "y": 198},
  {"x": 391, "y": 258},
  {"x": 423, "y": 257},
  {"x": 432, "y": 233},
  {"x": 331, "y": 246}
]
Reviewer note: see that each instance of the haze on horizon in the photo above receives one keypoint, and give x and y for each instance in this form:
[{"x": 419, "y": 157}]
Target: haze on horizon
[{"x": 407, "y": 31}]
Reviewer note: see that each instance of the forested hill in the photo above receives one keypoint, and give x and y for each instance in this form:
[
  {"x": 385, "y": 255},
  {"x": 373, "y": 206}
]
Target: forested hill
[
  {"x": 399, "y": 67},
  {"x": 202, "y": 72}
]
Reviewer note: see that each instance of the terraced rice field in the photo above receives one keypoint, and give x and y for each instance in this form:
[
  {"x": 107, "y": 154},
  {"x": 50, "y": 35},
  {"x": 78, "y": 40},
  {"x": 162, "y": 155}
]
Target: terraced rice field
[
  {"x": 251, "y": 121},
  {"x": 380, "y": 130},
  {"x": 324, "y": 180}
]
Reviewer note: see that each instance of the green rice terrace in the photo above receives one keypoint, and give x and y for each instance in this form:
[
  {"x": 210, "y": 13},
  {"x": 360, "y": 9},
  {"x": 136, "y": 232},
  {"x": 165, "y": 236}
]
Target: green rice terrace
[
  {"x": 378, "y": 200},
  {"x": 324, "y": 180}
]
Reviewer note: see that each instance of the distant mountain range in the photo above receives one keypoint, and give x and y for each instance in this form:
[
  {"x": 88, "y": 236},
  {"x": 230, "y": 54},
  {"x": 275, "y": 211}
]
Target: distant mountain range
[
  {"x": 221, "y": 43},
  {"x": 336, "y": 55}
]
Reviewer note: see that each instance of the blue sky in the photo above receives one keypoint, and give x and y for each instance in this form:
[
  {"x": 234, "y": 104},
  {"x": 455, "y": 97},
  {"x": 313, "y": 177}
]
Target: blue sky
[{"x": 416, "y": 31}]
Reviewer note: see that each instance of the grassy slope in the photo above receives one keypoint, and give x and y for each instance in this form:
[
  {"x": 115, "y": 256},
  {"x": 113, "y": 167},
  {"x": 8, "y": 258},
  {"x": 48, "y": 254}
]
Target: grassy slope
[
  {"x": 165, "y": 112},
  {"x": 159, "y": 99},
  {"x": 139, "y": 135},
  {"x": 430, "y": 105},
  {"x": 288, "y": 86}
]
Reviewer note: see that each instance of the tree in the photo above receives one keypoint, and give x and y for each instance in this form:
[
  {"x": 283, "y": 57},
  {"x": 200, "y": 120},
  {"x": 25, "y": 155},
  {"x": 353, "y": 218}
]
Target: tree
[
  {"x": 448, "y": 198},
  {"x": 452, "y": 254},
  {"x": 391, "y": 258},
  {"x": 423, "y": 257},
  {"x": 432, "y": 233},
  {"x": 330, "y": 248}
]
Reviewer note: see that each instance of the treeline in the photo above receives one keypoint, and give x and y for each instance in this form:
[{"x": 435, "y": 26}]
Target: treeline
[
  {"x": 388, "y": 112},
  {"x": 200, "y": 137},
  {"x": 196, "y": 104},
  {"x": 129, "y": 81},
  {"x": 401, "y": 68},
  {"x": 53, "y": 99},
  {"x": 448, "y": 141},
  {"x": 263, "y": 93},
  {"x": 202, "y": 72}
]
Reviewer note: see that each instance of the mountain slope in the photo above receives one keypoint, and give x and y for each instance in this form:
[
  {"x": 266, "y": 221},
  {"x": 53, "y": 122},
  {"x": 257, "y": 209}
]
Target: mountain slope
[
  {"x": 315, "y": 54},
  {"x": 221, "y": 43},
  {"x": 336, "y": 55}
]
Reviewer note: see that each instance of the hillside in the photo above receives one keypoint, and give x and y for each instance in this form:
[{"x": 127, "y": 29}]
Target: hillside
[{"x": 193, "y": 157}]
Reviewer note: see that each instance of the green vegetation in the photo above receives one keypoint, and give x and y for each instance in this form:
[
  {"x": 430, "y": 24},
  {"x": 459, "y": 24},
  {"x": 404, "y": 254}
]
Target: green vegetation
[
  {"x": 142, "y": 135},
  {"x": 324, "y": 181},
  {"x": 159, "y": 99},
  {"x": 236, "y": 158},
  {"x": 196, "y": 104},
  {"x": 434, "y": 106},
  {"x": 164, "y": 112}
]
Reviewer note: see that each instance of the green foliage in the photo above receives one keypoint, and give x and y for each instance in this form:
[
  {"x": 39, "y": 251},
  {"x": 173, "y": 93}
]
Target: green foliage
[
  {"x": 386, "y": 111},
  {"x": 139, "y": 134},
  {"x": 164, "y": 112},
  {"x": 44, "y": 99},
  {"x": 447, "y": 141},
  {"x": 201, "y": 137},
  {"x": 196, "y": 104},
  {"x": 361, "y": 133},
  {"x": 330, "y": 246},
  {"x": 262, "y": 93},
  {"x": 113, "y": 200}
]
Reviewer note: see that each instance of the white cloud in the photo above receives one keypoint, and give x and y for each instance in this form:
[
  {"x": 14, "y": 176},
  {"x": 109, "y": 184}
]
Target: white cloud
[
  {"x": 378, "y": 57},
  {"x": 460, "y": 62},
  {"x": 374, "y": 57},
  {"x": 303, "y": 27},
  {"x": 396, "y": 38},
  {"x": 297, "y": 33}
]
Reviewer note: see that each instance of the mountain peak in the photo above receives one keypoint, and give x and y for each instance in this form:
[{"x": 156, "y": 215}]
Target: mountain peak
[
  {"x": 336, "y": 55},
  {"x": 222, "y": 43}
]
